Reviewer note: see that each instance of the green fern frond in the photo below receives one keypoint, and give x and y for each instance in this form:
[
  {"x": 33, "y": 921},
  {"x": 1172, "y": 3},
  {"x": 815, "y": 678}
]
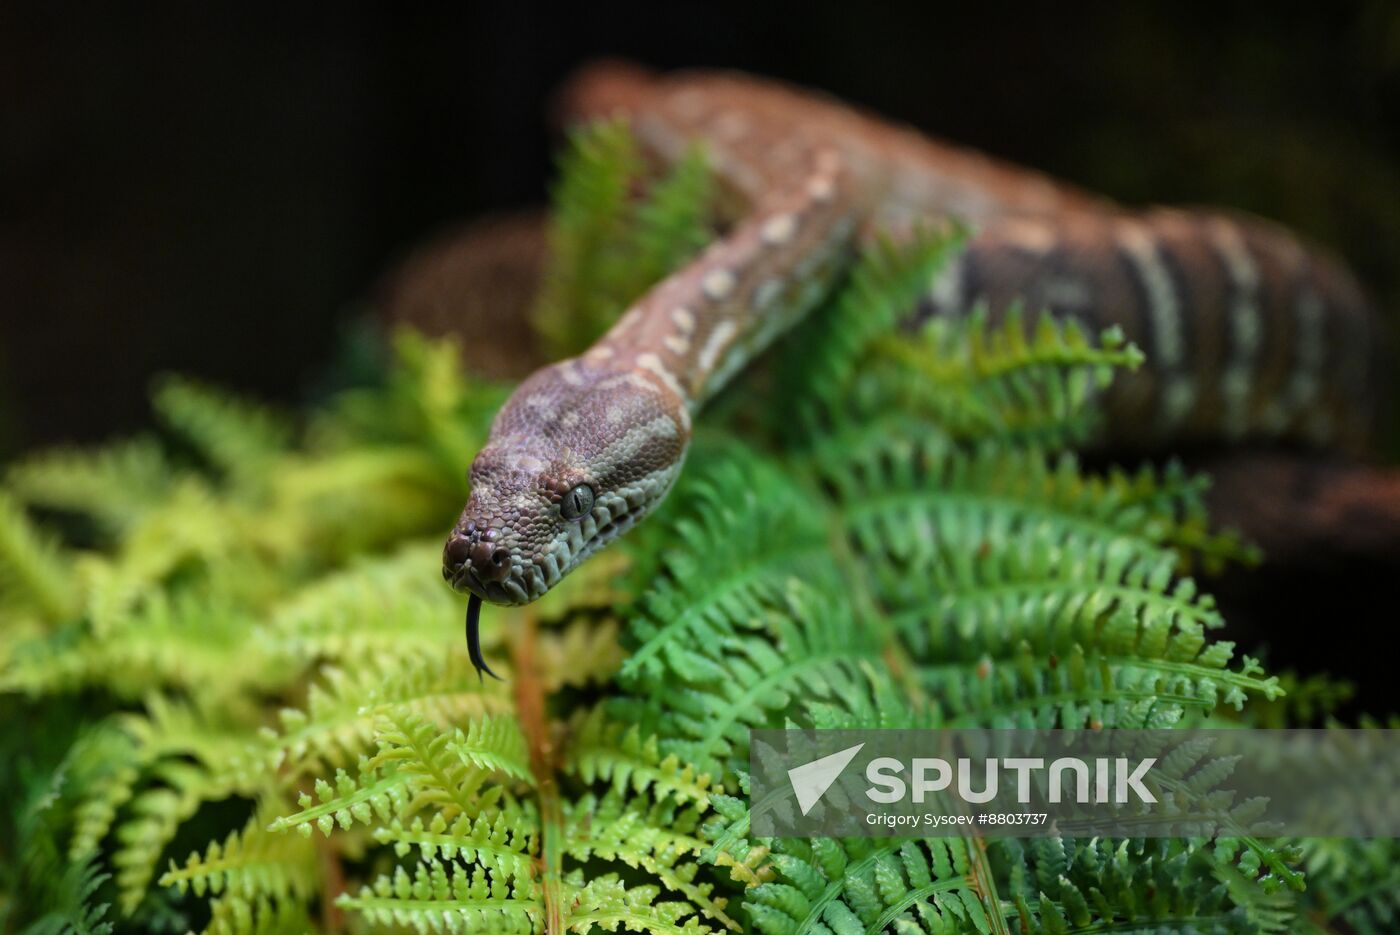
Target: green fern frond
[
  {"x": 232, "y": 915},
  {"x": 1066, "y": 885},
  {"x": 814, "y": 651},
  {"x": 612, "y": 236},
  {"x": 377, "y": 794},
  {"x": 250, "y": 864},
  {"x": 1355, "y": 884},
  {"x": 35, "y": 573},
  {"x": 878, "y": 488},
  {"x": 343, "y": 707},
  {"x": 909, "y": 547},
  {"x": 672, "y": 219},
  {"x": 82, "y": 482},
  {"x": 598, "y": 170},
  {"x": 818, "y": 362},
  {"x": 175, "y": 641},
  {"x": 620, "y": 755},
  {"x": 867, "y": 885},
  {"x": 347, "y": 504},
  {"x": 1008, "y": 381},
  {"x": 994, "y": 585},
  {"x": 493, "y": 841},
  {"x": 153, "y": 817},
  {"x": 492, "y": 744},
  {"x": 101, "y": 771},
  {"x": 441, "y": 896},
  {"x": 427, "y": 410},
  {"x": 584, "y": 652},
  {"x": 188, "y": 758},
  {"x": 450, "y": 772},
  {"x": 661, "y": 838},
  {"x": 1311, "y": 701},
  {"x": 604, "y": 902},
  {"x": 174, "y": 727},
  {"x": 75, "y": 910},
  {"x": 972, "y": 380},
  {"x": 40, "y": 890},
  {"x": 190, "y": 530},
  {"x": 977, "y": 554},
  {"x": 1082, "y": 690},
  {"x": 382, "y": 607},
  {"x": 418, "y": 768},
  {"x": 743, "y": 533},
  {"x": 233, "y": 436}
]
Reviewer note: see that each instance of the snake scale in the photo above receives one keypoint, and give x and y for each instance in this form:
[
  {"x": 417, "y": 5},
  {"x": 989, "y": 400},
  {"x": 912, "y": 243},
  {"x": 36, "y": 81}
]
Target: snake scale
[{"x": 1248, "y": 332}]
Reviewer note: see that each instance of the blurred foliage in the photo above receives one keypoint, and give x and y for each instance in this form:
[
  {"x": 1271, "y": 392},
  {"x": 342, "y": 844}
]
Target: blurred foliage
[{"x": 239, "y": 700}]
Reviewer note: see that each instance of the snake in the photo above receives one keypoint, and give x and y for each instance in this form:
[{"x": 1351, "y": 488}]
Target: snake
[{"x": 1249, "y": 332}]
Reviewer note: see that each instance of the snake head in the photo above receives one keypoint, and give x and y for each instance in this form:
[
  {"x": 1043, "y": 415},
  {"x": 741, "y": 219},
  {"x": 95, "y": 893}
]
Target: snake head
[{"x": 576, "y": 457}]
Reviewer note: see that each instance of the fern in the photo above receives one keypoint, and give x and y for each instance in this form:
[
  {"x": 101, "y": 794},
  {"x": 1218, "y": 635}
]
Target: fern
[
  {"x": 247, "y": 618},
  {"x": 249, "y": 865},
  {"x": 623, "y": 759},
  {"x": 62, "y": 897},
  {"x": 231, "y": 436},
  {"x": 725, "y": 559},
  {"x": 609, "y": 245},
  {"x": 436, "y": 896},
  {"x": 1357, "y": 884},
  {"x": 1012, "y": 382},
  {"x": 33, "y": 568},
  {"x": 343, "y": 706},
  {"x": 82, "y": 482},
  {"x": 76, "y": 912},
  {"x": 662, "y": 839}
]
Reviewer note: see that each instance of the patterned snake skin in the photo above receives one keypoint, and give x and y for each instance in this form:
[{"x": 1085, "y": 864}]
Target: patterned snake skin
[{"x": 1248, "y": 332}]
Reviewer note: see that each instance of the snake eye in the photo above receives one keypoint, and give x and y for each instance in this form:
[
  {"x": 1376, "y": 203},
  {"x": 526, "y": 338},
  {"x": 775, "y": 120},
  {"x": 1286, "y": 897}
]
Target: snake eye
[{"x": 577, "y": 502}]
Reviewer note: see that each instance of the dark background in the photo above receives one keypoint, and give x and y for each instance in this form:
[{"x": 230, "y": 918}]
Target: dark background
[{"x": 193, "y": 187}]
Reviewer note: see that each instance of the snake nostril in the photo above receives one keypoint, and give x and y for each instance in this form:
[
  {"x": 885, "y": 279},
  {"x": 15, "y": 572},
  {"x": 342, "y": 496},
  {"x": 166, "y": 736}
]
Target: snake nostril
[
  {"x": 456, "y": 552},
  {"x": 488, "y": 562}
]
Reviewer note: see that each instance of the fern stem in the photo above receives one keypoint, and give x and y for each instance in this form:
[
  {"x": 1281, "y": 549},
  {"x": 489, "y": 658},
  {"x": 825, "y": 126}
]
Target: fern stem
[
  {"x": 985, "y": 884},
  {"x": 534, "y": 723},
  {"x": 437, "y": 908},
  {"x": 332, "y": 886}
]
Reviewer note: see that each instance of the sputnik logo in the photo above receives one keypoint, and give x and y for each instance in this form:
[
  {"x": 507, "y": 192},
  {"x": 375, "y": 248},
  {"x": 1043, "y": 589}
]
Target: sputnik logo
[{"x": 811, "y": 780}]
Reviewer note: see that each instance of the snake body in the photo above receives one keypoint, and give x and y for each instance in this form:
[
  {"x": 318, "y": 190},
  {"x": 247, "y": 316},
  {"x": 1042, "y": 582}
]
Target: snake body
[{"x": 1248, "y": 332}]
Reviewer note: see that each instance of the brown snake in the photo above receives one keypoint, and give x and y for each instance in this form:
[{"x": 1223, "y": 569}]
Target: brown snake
[{"x": 1248, "y": 332}]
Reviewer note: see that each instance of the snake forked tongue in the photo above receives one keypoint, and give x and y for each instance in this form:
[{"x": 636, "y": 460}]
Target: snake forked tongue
[{"x": 474, "y": 638}]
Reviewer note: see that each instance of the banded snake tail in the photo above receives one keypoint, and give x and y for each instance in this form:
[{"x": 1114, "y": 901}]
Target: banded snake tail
[{"x": 1248, "y": 332}]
